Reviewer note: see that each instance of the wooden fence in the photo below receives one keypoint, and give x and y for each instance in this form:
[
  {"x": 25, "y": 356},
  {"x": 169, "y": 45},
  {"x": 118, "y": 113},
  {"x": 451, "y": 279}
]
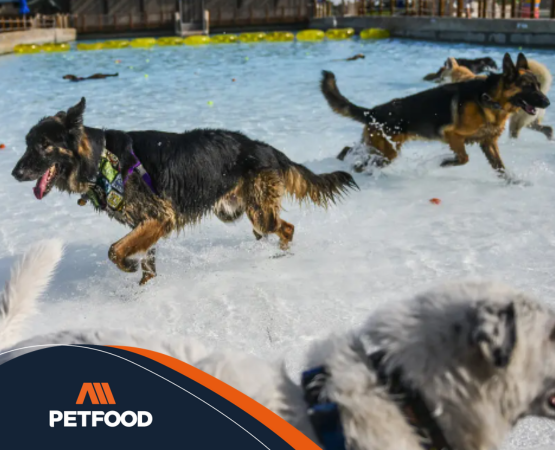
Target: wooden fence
[
  {"x": 263, "y": 15},
  {"x": 21, "y": 23},
  {"x": 90, "y": 23},
  {"x": 490, "y": 9}
]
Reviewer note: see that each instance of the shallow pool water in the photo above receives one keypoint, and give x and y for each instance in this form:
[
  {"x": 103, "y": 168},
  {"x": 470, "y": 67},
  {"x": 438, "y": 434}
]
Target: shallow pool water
[{"x": 216, "y": 282}]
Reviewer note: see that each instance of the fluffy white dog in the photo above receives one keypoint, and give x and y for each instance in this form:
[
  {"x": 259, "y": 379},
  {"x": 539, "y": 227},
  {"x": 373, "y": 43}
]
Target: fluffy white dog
[{"x": 453, "y": 368}]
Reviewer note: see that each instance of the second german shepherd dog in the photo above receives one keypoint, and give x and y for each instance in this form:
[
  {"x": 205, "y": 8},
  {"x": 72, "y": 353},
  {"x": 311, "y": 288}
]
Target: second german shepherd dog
[
  {"x": 473, "y": 111},
  {"x": 453, "y": 73},
  {"x": 190, "y": 175}
]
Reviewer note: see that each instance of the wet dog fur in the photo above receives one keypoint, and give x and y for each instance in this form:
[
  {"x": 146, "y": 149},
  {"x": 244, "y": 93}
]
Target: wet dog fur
[
  {"x": 195, "y": 173},
  {"x": 480, "y": 355},
  {"x": 454, "y": 73},
  {"x": 474, "y": 111}
]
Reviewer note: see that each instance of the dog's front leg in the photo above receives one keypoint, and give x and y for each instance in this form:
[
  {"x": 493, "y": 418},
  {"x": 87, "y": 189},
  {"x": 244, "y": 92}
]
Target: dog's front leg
[
  {"x": 343, "y": 153},
  {"x": 148, "y": 264},
  {"x": 144, "y": 236},
  {"x": 456, "y": 144},
  {"x": 491, "y": 150},
  {"x": 545, "y": 129}
]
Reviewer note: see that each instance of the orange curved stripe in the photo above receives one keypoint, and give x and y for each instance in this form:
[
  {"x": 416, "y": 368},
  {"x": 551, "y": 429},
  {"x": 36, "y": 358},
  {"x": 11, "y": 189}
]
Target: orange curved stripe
[{"x": 283, "y": 429}]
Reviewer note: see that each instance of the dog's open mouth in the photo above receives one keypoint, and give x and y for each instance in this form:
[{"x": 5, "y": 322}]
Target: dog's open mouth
[
  {"x": 529, "y": 109},
  {"x": 45, "y": 183}
]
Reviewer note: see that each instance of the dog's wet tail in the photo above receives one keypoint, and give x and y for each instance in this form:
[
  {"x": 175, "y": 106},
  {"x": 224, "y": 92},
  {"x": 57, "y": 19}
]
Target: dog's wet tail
[
  {"x": 323, "y": 189},
  {"x": 339, "y": 103},
  {"x": 29, "y": 279}
]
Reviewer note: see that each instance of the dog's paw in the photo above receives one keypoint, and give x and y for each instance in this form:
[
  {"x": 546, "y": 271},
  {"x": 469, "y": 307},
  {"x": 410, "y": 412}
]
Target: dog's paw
[
  {"x": 147, "y": 276},
  {"x": 129, "y": 265},
  {"x": 449, "y": 162}
]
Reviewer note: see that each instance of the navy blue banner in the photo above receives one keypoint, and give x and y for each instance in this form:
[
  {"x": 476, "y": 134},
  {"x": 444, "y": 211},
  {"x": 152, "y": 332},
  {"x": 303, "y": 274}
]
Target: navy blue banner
[{"x": 103, "y": 397}]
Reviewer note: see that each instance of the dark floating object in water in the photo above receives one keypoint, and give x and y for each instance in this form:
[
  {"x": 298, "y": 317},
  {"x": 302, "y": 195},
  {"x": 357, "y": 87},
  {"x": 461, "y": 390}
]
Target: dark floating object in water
[{"x": 96, "y": 76}]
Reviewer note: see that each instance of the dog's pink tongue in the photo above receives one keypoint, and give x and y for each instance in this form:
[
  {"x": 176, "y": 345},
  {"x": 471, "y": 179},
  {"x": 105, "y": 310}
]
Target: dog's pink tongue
[{"x": 41, "y": 186}]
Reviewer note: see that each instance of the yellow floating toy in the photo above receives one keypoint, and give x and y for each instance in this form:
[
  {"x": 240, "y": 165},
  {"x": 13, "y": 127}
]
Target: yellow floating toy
[
  {"x": 280, "y": 36},
  {"x": 374, "y": 33},
  {"x": 337, "y": 34},
  {"x": 26, "y": 48},
  {"x": 310, "y": 35},
  {"x": 111, "y": 45},
  {"x": 55, "y": 48},
  {"x": 143, "y": 42},
  {"x": 252, "y": 37},
  {"x": 87, "y": 47},
  {"x": 169, "y": 41},
  {"x": 197, "y": 40},
  {"x": 223, "y": 39}
]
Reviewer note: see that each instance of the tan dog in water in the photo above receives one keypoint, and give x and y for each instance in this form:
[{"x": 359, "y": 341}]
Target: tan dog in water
[{"x": 455, "y": 73}]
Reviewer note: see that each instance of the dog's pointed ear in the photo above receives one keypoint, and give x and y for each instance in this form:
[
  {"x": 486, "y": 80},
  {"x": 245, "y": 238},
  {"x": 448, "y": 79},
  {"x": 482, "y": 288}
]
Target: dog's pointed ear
[
  {"x": 509, "y": 69},
  {"x": 522, "y": 62},
  {"x": 494, "y": 332},
  {"x": 74, "y": 116}
]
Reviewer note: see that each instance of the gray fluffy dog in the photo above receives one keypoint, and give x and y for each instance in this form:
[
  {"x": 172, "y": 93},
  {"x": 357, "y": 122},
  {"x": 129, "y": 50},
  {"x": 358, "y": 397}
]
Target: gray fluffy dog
[{"x": 453, "y": 368}]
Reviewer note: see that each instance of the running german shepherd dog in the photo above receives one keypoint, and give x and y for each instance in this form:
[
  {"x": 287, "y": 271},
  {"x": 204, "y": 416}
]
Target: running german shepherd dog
[
  {"x": 156, "y": 182},
  {"x": 473, "y": 111},
  {"x": 454, "y": 73}
]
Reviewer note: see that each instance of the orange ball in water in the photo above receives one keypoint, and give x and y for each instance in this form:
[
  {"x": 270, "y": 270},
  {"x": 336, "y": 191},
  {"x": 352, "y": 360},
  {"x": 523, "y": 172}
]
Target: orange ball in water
[
  {"x": 435, "y": 201},
  {"x": 2, "y": 146}
]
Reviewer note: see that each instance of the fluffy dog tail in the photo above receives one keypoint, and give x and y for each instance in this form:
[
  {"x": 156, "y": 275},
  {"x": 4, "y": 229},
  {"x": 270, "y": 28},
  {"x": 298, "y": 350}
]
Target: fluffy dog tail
[
  {"x": 322, "y": 189},
  {"x": 339, "y": 103},
  {"x": 29, "y": 279}
]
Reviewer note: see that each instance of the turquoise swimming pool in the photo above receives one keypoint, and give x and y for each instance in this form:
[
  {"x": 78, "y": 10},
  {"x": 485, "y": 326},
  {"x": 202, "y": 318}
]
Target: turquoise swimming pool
[{"x": 216, "y": 282}]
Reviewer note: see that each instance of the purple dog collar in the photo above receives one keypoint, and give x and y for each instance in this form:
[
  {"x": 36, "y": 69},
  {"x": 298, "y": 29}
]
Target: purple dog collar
[{"x": 141, "y": 171}]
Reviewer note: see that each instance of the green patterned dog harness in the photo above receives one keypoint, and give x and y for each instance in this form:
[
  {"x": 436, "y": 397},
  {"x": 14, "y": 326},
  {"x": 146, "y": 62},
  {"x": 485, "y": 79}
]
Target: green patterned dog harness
[{"x": 108, "y": 189}]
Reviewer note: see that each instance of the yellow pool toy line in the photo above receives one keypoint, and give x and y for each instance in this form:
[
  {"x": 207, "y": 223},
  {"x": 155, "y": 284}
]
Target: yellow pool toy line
[
  {"x": 275, "y": 36},
  {"x": 88, "y": 47},
  {"x": 197, "y": 40},
  {"x": 27, "y": 48},
  {"x": 143, "y": 43},
  {"x": 280, "y": 36},
  {"x": 169, "y": 41},
  {"x": 252, "y": 37},
  {"x": 310, "y": 35},
  {"x": 120, "y": 43},
  {"x": 336, "y": 34},
  {"x": 51, "y": 48},
  {"x": 224, "y": 39},
  {"x": 374, "y": 33}
]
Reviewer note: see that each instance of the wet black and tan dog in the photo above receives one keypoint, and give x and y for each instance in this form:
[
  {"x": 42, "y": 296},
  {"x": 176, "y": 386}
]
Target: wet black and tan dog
[
  {"x": 157, "y": 182},
  {"x": 473, "y": 111},
  {"x": 476, "y": 66}
]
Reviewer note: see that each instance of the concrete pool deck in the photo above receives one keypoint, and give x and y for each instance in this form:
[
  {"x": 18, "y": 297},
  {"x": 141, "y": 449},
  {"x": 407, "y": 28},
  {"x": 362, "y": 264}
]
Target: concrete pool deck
[
  {"x": 515, "y": 32},
  {"x": 8, "y": 40}
]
